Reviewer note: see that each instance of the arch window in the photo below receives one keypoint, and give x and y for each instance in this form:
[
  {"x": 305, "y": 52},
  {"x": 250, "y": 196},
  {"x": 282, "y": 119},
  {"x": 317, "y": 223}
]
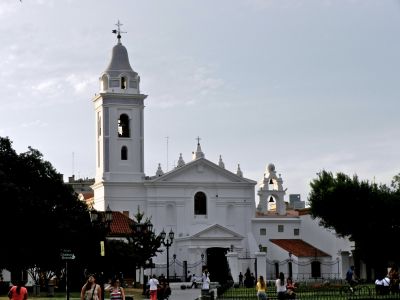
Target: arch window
[
  {"x": 123, "y": 126},
  {"x": 123, "y": 83},
  {"x": 124, "y": 153},
  {"x": 200, "y": 204},
  {"x": 104, "y": 82}
]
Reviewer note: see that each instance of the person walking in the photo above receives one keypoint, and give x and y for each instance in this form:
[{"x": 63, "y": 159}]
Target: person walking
[
  {"x": 281, "y": 286},
  {"x": 153, "y": 286},
  {"x": 91, "y": 290},
  {"x": 261, "y": 288},
  {"x": 18, "y": 292},
  {"x": 116, "y": 291}
]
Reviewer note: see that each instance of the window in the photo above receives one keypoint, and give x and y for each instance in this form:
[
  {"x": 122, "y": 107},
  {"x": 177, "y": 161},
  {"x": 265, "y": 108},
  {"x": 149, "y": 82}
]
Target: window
[
  {"x": 123, "y": 83},
  {"x": 280, "y": 228},
  {"x": 315, "y": 269},
  {"x": 263, "y": 231},
  {"x": 200, "y": 204},
  {"x": 123, "y": 126},
  {"x": 296, "y": 231},
  {"x": 124, "y": 153}
]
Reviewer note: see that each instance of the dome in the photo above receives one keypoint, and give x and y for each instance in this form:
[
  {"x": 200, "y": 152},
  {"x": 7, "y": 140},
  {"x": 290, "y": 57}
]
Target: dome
[
  {"x": 119, "y": 60},
  {"x": 271, "y": 168}
]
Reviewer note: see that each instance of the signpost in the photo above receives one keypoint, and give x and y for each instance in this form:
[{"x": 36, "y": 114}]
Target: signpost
[{"x": 66, "y": 254}]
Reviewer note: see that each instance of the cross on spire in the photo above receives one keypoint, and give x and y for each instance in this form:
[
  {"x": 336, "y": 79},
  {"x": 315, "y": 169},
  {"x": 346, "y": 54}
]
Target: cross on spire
[
  {"x": 118, "y": 31},
  {"x": 198, "y": 140}
]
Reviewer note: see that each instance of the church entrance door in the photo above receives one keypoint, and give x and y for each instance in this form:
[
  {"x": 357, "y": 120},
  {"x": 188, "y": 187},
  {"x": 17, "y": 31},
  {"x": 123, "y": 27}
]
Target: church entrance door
[{"x": 217, "y": 264}]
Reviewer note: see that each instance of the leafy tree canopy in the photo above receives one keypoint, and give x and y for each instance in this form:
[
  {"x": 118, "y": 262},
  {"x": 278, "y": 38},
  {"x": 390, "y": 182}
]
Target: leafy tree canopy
[
  {"x": 40, "y": 214},
  {"x": 365, "y": 212}
]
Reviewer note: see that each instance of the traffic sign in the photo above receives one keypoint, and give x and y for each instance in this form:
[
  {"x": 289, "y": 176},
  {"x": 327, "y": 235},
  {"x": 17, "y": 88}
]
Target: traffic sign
[{"x": 67, "y": 256}]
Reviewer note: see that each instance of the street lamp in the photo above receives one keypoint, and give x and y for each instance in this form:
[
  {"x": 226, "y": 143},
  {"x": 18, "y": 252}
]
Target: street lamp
[
  {"x": 103, "y": 220},
  {"x": 167, "y": 242}
]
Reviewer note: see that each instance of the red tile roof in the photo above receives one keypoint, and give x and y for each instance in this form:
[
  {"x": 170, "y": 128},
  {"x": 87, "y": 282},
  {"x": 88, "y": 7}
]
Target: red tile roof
[
  {"x": 299, "y": 248},
  {"x": 120, "y": 225}
]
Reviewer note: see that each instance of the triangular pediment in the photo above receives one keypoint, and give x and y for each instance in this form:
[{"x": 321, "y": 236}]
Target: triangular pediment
[
  {"x": 201, "y": 170},
  {"x": 217, "y": 231}
]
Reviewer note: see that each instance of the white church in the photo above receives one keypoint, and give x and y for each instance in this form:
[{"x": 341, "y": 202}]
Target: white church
[{"x": 211, "y": 210}]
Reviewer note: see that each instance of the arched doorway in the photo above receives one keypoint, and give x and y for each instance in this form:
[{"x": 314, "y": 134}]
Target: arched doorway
[{"x": 217, "y": 264}]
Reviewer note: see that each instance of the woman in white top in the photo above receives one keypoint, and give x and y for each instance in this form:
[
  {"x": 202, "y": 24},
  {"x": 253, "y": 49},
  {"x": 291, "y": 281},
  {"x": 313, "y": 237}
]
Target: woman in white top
[
  {"x": 281, "y": 286},
  {"x": 153, "y": 283},
  {"x": 91, "y": 290},
  {"x": 205, "y": 288}
]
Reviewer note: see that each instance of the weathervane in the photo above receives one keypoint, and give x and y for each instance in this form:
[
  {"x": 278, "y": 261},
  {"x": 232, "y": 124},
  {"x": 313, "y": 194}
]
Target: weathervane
[{"x": 118, "y": 31}]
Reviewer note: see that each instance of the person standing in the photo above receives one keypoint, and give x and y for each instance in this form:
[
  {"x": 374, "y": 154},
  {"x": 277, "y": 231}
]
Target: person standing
[
  {"x": 240, "y": 279},
  {"x": 261, "y": 288},
  {"x": 116, "y": 291},
  {"x": 153, "y": 286},
  {"x": 18, "y": 292},
  {"x": 205, "y": 288},
  {"x": 281, "y": 286},
  {"x": 91, "y": 290}
]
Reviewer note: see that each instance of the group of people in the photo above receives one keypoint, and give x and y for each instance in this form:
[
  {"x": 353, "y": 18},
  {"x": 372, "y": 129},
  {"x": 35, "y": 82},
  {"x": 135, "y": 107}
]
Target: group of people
[
  {"x": 284, "y": 290},
  {"x": 390, "y": 283}
]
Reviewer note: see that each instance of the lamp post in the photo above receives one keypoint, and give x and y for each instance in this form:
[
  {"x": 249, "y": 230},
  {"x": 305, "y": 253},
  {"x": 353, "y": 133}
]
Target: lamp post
[
  {"x": 167, "y": 242},
  {"x": 103, "y": 220},
  {"x": 290, "y": 265}
]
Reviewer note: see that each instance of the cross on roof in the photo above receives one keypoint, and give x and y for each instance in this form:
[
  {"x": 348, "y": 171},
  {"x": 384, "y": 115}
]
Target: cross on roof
[
  {"x": 118, "y": 31},
  {"x": 198, "y": 140}
]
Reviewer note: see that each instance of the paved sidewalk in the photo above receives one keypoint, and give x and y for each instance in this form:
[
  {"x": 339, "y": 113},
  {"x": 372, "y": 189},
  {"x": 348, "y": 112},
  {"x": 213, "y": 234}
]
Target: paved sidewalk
[{"x": 188, "y": 294}]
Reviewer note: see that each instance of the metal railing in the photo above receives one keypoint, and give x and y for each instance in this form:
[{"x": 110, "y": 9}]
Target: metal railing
[{"x": 308, "y": 293}]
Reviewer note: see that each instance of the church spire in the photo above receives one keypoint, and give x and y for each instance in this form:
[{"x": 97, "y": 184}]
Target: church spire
[
  {"x": 159, "y": 171},
  {"x": 181, "y": 162},
  {"x": 199, "y": 153},
  {"x": 239, "y": 172},
  {"x": 221, "y": 163}
]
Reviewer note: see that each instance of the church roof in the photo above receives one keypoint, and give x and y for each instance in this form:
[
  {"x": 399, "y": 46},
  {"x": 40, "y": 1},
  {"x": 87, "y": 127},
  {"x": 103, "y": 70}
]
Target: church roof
[
  {"x": 120, "y": 225},
  {"x": 203, "y": 162},
  {"x": 215, "y": 232},
  {"x": 119, "y": 59},
  {"x": 299, "y": 248}
]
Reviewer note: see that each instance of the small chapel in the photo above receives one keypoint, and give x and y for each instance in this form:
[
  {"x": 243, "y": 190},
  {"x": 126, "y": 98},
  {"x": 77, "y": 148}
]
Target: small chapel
[{"x": 213, "y": 212}]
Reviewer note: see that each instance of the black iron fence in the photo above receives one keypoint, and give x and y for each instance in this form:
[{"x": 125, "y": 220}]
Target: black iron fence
[{"x": 359, "y": 292}]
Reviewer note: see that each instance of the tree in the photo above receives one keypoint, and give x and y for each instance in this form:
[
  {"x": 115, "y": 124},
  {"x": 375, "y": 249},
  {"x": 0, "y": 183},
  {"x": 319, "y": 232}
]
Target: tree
[
  {"x": 145, "y": 243},
  {"x": 364, "y": 212},
  {"x": 39, "y": 215}
]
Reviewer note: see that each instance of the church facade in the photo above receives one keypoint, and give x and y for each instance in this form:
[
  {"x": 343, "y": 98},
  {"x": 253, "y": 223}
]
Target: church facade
[{"x": 211, "y": 210}]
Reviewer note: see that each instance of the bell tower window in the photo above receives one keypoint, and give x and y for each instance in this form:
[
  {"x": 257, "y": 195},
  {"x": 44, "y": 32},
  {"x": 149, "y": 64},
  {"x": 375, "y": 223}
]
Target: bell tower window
[
  {"x": 123, "y": 126},
  {"x": 200, "y": 204},
  {"x": 123, "y": 83},
  {"x": 124, "y": 153},
  {"x": 104, "y": 83}
]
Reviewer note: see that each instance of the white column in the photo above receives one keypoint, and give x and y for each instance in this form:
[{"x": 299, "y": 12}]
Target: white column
[
  {"x": 261, "y": 264},
  {"x": 233, "y": 263}
]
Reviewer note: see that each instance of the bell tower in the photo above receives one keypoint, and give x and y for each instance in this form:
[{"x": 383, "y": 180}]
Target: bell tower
[
  {"x": 119, "y": 110},
  {"x": 271, "y": 192}
]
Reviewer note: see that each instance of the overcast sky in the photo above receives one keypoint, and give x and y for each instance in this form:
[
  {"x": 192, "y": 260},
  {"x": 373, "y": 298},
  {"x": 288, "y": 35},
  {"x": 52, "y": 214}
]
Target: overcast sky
[{"x": 306, "y": 85}]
